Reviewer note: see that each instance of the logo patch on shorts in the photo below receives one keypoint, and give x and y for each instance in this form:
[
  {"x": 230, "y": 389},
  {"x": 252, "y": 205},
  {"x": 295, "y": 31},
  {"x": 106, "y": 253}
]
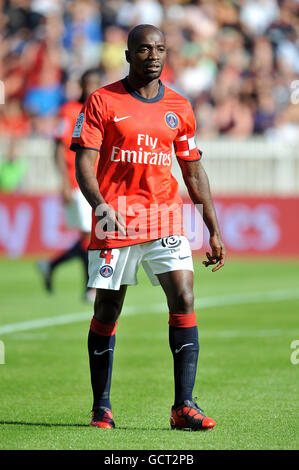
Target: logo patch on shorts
[
  {"x": 171, "y": 242},
  {"x": 78, "y": 125},
  {"x": 171, "y": 120},
  {"x": 106, "y": 270}
]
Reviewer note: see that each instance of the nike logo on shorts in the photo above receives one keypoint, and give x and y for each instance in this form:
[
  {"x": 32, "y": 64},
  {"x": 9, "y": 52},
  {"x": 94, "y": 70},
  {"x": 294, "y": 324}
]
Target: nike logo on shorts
[
  {"x": 184, "y": 345},
  {"x": 120, "y": 119},
  {"x": 96, "y": 353}
]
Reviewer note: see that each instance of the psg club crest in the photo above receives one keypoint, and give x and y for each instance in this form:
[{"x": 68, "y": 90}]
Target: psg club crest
[
  {"x": 106, "y": 271},
  {"x": 171, "y": 120}
]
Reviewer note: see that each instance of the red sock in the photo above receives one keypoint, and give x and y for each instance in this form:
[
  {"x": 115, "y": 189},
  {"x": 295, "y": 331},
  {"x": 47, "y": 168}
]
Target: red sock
[
  {"x": 103, "y": 329},
  {"x": 182, "y": 320}
]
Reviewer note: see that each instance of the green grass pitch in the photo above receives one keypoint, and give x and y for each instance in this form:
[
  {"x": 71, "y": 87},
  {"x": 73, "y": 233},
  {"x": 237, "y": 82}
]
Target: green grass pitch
[{"x": 248, "y": 318}]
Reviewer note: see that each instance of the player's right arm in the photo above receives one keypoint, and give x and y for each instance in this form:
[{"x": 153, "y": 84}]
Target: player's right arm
[
  {"x": 87, "y": 181},
  {"x": 86, "y": 141}
]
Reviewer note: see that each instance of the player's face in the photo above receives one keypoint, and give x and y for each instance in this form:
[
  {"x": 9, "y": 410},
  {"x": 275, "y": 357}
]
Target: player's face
[{"x": 148, "y": 54}]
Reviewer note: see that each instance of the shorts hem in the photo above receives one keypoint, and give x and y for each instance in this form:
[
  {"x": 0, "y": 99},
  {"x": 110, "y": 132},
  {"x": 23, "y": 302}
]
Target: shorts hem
[
  {"x": 95, "y": 285},
  {"x": 172, "y": 269}
]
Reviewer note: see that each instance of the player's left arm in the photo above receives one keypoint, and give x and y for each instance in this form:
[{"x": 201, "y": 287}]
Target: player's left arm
[{"x": 198, "y": 186}]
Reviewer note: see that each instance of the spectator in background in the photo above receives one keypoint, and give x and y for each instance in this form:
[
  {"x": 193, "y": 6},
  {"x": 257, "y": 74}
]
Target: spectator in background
[
  {"x": 245, "y": 47},
  {"x": 112, "y": 58},
  {"x": 140, "y": 12},
  {"x": 204, "y": 113},
  {"x": 200, "y": 18},
  {"x": 21, "y": 19},
  {"x": 233, "y": 116},
  {"x": 265, "y": 114},
  {"x": 82, "y": 37},
  {"x": 262, "y": 59},
  {"x": 257, "y": 15},
  {"x": 43, "y": 87}
]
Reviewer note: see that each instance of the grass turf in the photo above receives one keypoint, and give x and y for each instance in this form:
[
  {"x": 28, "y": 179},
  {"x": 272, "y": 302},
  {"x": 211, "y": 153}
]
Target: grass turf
[{"x": 245, "y": 378}]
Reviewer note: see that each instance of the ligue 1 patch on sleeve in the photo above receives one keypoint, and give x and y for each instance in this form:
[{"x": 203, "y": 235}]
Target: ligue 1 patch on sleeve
[{"x": 78, "y": 125}]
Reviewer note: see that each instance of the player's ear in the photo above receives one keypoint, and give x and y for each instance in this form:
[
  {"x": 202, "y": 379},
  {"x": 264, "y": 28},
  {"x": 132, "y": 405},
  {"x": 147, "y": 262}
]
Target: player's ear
[{"x": 128, "y": 58}]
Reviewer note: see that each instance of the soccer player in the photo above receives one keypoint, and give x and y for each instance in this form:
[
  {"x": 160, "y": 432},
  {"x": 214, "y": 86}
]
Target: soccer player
[
  {"x": 133, "y": 125},
  {"x": 77, "y": 210}
]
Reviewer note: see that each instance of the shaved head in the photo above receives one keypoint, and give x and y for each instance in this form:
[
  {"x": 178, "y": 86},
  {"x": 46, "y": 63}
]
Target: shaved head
[
  {"x": 146, "y": 53},
  {"x": 136, "y": 34}
]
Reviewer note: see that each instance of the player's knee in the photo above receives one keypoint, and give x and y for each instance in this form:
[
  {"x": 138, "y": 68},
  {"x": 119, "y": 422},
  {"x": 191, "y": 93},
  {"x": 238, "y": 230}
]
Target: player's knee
[
  {"x": 184, "y": 302},
  {"x": 107, "y": 310}
]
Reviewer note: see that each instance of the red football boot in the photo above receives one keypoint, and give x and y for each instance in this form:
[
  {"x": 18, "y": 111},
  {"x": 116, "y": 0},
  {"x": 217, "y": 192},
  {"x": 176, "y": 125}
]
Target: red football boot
[
  {"x": 102, "y": 417},
  {"x": 188, "y": 415}
]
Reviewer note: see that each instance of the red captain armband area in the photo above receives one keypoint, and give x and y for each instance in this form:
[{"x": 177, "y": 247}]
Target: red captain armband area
[
  {"x": 186, "y": 149},
  {"x": 182, "y": 320},
  {"x": 102, "y": 328}
]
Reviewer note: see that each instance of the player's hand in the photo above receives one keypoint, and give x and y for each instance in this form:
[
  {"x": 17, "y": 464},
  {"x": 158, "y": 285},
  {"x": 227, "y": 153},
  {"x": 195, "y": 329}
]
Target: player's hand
[
  {"x": 218, "y": 253},
  {"x": 111, "y": 220}
]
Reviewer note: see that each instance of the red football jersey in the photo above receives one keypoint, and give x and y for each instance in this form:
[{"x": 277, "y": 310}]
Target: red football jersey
[
  {"x": 135, "y": 137},
  {"x": 68, "y": 114}
]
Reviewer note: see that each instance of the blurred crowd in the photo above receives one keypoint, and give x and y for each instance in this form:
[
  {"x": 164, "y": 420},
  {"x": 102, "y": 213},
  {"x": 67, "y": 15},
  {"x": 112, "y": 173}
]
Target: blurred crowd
[{"x": 234, "y": 60}]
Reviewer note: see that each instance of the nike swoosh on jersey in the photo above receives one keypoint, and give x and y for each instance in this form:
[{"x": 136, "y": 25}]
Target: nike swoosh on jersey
[
  {"x": 96, "y": 353},
  {"x": 120, "y": 119},
  {"x": 184, "y": 257},
  {"x": 184, "y": 345}
]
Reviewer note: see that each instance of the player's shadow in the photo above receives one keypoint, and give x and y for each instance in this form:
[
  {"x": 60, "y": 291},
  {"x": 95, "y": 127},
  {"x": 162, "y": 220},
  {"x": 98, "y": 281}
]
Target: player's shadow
[
  {"x": 26, "y": 423},
  {"x": 77, "y": 425}
]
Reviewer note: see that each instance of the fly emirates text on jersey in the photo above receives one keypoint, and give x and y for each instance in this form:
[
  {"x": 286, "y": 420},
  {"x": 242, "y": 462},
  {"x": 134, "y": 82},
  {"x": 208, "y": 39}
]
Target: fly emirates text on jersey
[{"x": 150, "y": 156}]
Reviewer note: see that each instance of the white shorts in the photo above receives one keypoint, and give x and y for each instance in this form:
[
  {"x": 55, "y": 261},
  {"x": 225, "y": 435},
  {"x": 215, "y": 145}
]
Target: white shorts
[
  {"x": 109, "y": 269},
  {"x": 78, "y": 212}
]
